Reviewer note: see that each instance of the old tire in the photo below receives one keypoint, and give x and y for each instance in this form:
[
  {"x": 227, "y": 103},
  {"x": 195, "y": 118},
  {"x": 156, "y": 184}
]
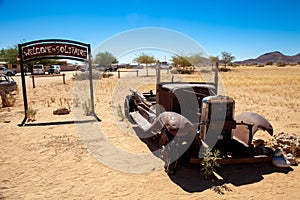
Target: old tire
[{"x": 129, "y": 107}]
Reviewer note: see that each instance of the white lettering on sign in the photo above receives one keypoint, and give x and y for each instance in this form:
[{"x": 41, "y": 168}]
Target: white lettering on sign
[{"x": 55, "y": 49}]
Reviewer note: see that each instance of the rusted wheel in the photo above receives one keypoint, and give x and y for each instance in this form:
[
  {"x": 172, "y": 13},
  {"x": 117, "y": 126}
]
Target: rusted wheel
[
  {"x": 128, "y": 107},
  {"x": 168, "y": 151}
]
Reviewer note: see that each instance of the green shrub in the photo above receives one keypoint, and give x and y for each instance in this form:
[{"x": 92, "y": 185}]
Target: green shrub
[
  {"x": 186, "y": 70},
  {"x": 85, "y": 75},
  {"x": 8, "y": 100},
  {"x": 106, "y": 75},
  {"x": 31, "y": 114},
  {"x": 87, "y": 107},
  {"x": 209, "y": 163},
  {"x": 269, "y": 63},
  {"x": 205, "y": 71},
  {"x": 223, "y": 69},
  {"x": 281, "y": 64}
]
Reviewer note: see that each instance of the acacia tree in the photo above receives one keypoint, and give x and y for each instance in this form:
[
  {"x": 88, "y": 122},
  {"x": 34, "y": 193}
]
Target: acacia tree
[
  {"x": 195, "y": 59},
  {"x": 105, "y": 58},
  {"x": 213, "y": 60},
  {"x": 186, "y": 61},
  {"x": 181, "y": 61},
  {"x": 144, "y": 59},
  {"x": 9, "y": 55},
  {"x": 226, "y": 58}
]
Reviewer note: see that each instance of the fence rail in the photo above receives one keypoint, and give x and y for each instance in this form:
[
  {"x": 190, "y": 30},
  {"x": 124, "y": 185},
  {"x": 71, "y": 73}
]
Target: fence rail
[
  {"x": 33, "y": 77},
  {"x": 136, "y": 71}
]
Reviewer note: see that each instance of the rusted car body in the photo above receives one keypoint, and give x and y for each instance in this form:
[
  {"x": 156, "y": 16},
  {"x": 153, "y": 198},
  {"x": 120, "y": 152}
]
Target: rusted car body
[
  {"x": 7, "y": 85},
  {"x": 189, "y": 117}
]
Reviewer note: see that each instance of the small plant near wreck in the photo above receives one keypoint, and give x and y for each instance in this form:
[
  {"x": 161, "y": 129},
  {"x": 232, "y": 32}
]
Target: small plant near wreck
[
  {"x": 60, "y": 103},
  {"x": 87, "y": 108},
  {"x": 31, "y": 114},
  {"x": 120, "y": 113},
  {"x": 209, "y": 163},
  {"x": 68, "y": 102},
  {"x": 52, "y": 99},
  {"x": 9, "y": 100},
  {"x": 76, "y": 101},
  {"x": 47, "y": 103}
]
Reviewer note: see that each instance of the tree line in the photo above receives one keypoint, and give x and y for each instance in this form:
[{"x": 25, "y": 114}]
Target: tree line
[
  {"x": 9, "y": 55},
  {"x": 178, "y": 60}
]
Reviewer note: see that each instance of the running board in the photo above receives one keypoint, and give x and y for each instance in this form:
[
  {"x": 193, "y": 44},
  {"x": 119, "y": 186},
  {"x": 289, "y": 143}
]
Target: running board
[{"x": 140, "y": 120}]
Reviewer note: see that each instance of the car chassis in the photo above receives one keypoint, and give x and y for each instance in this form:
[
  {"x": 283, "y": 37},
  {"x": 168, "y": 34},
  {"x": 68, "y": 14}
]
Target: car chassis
[{"x": 189, "y": 117}]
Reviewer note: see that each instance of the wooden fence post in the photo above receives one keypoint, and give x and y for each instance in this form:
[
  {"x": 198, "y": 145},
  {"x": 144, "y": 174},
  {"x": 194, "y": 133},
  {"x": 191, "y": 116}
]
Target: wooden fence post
[
  {"x": 64, "y": 79},
  {"x": 33, "y": 83}
]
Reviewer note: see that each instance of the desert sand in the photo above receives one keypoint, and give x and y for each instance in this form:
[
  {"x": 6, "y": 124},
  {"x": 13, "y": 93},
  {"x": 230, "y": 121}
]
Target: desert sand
[{"x": 67, "y": 161}]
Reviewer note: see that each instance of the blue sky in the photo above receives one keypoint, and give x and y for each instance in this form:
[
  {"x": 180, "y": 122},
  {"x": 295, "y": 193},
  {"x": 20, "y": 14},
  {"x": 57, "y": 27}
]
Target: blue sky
[{"x": 246, "y": 29}]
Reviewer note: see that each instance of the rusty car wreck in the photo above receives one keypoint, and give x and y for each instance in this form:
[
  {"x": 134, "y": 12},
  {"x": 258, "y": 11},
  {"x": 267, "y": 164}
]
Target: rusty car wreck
[
  {"x": 7, "y": 85},
  {"x": 189, "y": 117}
]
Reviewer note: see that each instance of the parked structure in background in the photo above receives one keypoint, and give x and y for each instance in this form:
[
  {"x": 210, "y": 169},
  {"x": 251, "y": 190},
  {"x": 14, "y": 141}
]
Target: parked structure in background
[
  {"x": 6, "y": 71},
  {"x": 38, "y": 69}
]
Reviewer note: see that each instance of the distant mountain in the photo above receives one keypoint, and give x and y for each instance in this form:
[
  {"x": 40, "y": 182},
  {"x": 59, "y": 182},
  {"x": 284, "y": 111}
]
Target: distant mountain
[{"x": 274, "y": 57}]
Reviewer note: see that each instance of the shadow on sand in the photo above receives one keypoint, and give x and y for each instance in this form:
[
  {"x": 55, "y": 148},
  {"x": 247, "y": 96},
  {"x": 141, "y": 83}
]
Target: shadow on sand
[{"x": 190, "y": 179}]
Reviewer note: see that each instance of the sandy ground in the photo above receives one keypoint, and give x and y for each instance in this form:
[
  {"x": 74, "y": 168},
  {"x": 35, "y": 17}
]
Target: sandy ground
[{"x": 106, "y": 160}]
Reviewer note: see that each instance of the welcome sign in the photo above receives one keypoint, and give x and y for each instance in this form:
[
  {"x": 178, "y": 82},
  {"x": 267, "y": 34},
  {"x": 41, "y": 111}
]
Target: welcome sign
[{"x": 54, "y": 49}]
